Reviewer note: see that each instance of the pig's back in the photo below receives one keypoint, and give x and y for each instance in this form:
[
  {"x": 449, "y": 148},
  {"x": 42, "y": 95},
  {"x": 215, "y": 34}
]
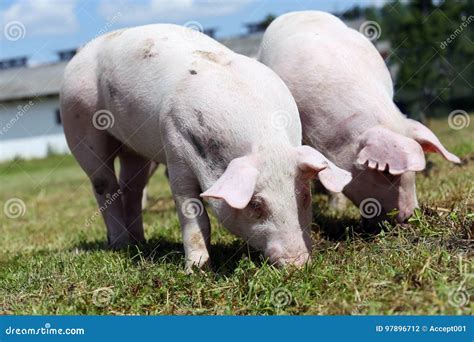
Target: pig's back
[
  {"x": 140, "y": 73},
  {"x": 163, "y": 75},
  {"x": 156, "y": 57},
  {"x": 334, "y": 72},
  {"x": 319, "y": 44}
]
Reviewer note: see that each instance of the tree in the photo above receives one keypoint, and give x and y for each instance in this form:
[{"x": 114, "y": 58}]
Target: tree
[{"x": 429, "y": 61}]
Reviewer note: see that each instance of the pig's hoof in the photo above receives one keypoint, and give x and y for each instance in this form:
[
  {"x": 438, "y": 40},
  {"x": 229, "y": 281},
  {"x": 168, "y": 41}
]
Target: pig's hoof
[
  {"x": 119, "y": 244},
  {"x": 200, "y": 265}
]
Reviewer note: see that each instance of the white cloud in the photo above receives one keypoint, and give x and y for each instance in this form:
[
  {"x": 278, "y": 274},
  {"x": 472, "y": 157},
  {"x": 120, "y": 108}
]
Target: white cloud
[
  {"x": 168, "y": 10},
  {"x": 42, "y": 16}
]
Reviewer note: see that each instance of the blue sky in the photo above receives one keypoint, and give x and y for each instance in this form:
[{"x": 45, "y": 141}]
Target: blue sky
[{"x": 39, "y": 28}]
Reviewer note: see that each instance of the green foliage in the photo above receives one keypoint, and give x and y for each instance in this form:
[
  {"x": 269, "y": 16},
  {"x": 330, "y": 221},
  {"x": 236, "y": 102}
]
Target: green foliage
[{"x": 432, "y": 46}]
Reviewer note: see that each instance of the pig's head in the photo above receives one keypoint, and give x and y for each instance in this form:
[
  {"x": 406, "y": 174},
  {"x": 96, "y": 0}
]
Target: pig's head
[
  {"x": 265, "y": 199},
  {"x": 384, "y": 173}
]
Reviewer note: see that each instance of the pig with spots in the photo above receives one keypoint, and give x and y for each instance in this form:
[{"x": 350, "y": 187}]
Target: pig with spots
[
  {"x": 344, "y": 94},
  {"x": 166, "y": 94}
]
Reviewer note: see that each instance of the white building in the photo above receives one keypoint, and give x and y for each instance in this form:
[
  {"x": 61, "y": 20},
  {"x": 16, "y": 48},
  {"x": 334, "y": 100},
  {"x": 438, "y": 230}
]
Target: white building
[{"x": 29, "y": 110}]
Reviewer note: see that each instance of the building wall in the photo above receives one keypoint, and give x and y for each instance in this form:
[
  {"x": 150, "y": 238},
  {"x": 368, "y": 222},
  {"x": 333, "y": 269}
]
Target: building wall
[{"x": 31, "y": 128}]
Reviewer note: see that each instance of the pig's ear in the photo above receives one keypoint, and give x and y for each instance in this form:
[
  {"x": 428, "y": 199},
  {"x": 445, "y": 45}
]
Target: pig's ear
[
  {"x": 311, "y": 162},
  {"x": 428, "y": 141},
  {"x": 236, "y": 185},
  {"x": 382, "y": 149}
]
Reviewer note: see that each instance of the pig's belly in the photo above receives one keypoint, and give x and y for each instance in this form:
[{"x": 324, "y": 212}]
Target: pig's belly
[{"x": 141, "y": 133}]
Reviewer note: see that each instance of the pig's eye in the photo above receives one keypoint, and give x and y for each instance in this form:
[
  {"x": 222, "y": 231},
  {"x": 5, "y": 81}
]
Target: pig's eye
[{"x": 257, "y": 206}]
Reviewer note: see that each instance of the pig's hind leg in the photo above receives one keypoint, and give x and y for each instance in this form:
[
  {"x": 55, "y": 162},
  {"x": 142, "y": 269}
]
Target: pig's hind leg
[
  {"x": 134, "y": 173},
  {"x": 95, "y": 151}
]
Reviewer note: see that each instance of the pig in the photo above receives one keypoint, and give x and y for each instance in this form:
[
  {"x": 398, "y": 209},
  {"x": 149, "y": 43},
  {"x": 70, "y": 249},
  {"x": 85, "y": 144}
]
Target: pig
[
  {"x": 167, "y": 94},
  {"x": 344, "y": 94}
]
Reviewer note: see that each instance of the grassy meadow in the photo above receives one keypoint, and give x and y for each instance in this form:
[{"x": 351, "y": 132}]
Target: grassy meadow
[{"x": 53, "y": 262}]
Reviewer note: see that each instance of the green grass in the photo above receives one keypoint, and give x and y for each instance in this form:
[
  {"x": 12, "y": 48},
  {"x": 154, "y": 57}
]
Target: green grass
[{"x": 51, "y": 262}]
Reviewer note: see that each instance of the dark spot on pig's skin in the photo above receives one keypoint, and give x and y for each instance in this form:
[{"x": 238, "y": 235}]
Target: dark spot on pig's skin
[
  {"x": 178, "y": 122},
  {"x": 200, "y": 117},
  {"x": 112, "y": 90},
  {"x": 193, "y": 72},
  {"x": 147, "y": 48},
  {"x": 99, "y": 184},
  {"x": 215, "y": 154},
  {"x": 212, "y": 57},
  {"x": 197, "y": 241},
  {"x": 196, "y": 143},
  {"x": 209, "y": 150}
]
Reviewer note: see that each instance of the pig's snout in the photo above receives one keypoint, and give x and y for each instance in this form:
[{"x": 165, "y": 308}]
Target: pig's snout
[
  {"x": 280, "y": 257},
  {"x": 404, "y": 214}
]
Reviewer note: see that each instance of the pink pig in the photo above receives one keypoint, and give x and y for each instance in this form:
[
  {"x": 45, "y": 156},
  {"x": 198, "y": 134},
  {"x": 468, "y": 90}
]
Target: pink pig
[
  {"x": 344, "y": 94},
  {"x": 167, "y": 94}
]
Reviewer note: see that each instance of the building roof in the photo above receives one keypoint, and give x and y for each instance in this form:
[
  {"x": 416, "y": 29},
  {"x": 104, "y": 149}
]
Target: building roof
[{"x": 30, "y": 82}]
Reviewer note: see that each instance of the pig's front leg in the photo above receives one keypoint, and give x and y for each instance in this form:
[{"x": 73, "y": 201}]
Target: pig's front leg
[
  {"x": 337, "y": 201},
  {"x": 193, "y": 217}
]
